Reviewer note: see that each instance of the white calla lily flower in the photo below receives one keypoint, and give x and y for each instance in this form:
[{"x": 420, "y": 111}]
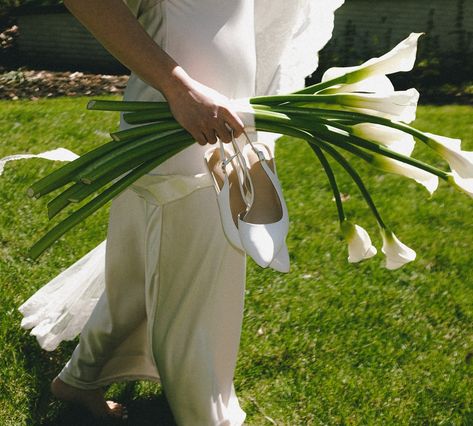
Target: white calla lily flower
[
  {"x": 396, "y": 140},
  {"x": 401, "y": 58},
  {"x": 464, "y": 185},
  {"x": 398, "y": 106},
  {"x": 359, "y": 242},
  {"x": 460, "y": 162},
  {"x": 397, "y": 253},
  {"x": 429, "y": 180}
]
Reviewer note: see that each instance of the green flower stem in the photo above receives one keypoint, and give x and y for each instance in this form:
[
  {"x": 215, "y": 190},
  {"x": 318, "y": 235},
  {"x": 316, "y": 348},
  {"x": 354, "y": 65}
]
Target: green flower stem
[
  {"x": 314, "y": 88},
  {"x": 141, "y": 117},
  {"x": 336, "y": 99},
  {"x": 62, "y": 200},
  {"x": 290, "y": 112},
  {"x": 78, "y": 216},
  {"x": 66, "y": 173},
  {"x": 331, "y": 177},
  {"x": 80, "y": 190},
  {"x": 136, "y": 155},
  {"x": 98, "y": 105},
  {"x": 260, "y": 119},
  {"x": 143, "y": 130},
  {"x": 289, "y": 131},
  {"x": 379, "y": 149},
  {"x": 356, "y": 117},
  {"x": 123, "y": 149}
]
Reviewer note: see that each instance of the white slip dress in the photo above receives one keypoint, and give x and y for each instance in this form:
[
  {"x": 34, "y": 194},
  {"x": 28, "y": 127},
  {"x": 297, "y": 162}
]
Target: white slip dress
[{"x": 162, "y": 297}]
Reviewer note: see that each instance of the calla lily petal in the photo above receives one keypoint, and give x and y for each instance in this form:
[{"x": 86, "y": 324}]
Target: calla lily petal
[
  {"x": 401, "y": 58},
  {"x": 464, "y": 185},
  {"x": 359, "y": 242},
  {"x": 397, "y": 253},
  {"x": 460, "y": 162},
  {"x": 399, "y": 105},
  {"x": 429, "y": 180},
  {"x": 395, "y": 140}
]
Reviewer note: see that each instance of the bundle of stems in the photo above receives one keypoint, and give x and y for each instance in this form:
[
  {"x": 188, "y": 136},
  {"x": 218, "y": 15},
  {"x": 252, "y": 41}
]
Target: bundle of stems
[{"x": 346, "y": 113}]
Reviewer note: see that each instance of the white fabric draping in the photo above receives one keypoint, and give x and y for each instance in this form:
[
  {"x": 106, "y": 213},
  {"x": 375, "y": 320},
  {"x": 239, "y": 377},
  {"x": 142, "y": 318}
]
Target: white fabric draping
[{"x": 289, "y": 35}]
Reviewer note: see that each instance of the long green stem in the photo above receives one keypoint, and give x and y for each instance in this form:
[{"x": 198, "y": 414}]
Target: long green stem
[
  {"x": 80, "y": 190},
  {"x": 141, "y": 117},
  {"x": 65, "y": 173},
  {"x": 315, "y": 125},
  {"x": 78, "y": 216},
  {"x": 123, "y": 149},
  {"x": 374, "y": 147},
  {"x": 147, "y": 129},
  {"x": 62, "y": 200},
  {"x": 136, "y": 155},
  {"x": 98, "y": 105},
  {"x": 357, "y": 117},
  {"x": 260, "y": 120},
  {"x": 314, "y": 88},
  {"x": 282, "y": 99},
  {"x": 331, "y": 177}
]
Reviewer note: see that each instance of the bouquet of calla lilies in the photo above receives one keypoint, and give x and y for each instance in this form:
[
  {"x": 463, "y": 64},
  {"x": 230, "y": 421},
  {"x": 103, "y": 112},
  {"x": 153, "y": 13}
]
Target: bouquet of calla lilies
[{"x": 353, "y": 109}]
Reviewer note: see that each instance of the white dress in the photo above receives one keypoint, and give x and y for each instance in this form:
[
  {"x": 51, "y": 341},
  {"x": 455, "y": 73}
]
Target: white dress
[{"x": 162, "y": 297}]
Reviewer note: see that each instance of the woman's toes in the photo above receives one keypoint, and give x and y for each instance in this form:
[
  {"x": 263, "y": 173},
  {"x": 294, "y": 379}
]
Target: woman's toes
[{"x": 117, "y": 410}]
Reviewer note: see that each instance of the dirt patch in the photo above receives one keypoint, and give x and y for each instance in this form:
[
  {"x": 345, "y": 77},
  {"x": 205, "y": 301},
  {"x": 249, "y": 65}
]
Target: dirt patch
[{"x": 29, "y": 84}]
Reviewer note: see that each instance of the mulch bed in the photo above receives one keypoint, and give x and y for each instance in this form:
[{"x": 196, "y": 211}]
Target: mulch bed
[{"x": 30, "y": 84}]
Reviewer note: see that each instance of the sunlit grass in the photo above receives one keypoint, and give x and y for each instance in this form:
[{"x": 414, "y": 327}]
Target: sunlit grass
[{"x": 329, "y": 343}]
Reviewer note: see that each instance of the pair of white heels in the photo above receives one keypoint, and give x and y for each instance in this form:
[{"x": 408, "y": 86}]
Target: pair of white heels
[{"x": 252, "y": 208}]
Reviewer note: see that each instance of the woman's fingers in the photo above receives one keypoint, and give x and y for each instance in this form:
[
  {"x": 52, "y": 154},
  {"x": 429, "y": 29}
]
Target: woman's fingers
[
  {"x": 223, "y": 132},
  {"x": 234, "y": 122},
  {"x": 210, "y": 136}
]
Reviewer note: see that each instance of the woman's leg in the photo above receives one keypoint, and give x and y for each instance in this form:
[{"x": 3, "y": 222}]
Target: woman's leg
[
  {"x": 196, "y": 325},
  {"x": 121, "y": 307}
]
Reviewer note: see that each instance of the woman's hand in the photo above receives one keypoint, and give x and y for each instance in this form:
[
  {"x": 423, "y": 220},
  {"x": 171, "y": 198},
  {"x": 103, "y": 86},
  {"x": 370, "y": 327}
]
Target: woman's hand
[{"x": 202, "y": 111}]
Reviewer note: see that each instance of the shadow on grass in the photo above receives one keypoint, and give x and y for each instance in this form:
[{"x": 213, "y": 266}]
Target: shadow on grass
[
  {"x": 141, "y": 412},
  {"x": 47, "y": 411}
]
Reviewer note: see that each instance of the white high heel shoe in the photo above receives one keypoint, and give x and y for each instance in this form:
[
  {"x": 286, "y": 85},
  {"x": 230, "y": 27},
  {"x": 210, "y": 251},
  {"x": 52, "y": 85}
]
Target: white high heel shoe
[
  {"x": 263, "y": 230},
  {"x": 230, "y": 192}
]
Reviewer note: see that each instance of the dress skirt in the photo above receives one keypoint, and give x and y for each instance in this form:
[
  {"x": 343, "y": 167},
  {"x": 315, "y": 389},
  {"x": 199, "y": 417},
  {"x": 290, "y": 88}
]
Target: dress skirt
[{"x": 172, "y": 308}]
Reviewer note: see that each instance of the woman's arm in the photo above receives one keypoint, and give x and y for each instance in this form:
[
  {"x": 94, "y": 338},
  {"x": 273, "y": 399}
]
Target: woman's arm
[{"x": 199, "y": 109}]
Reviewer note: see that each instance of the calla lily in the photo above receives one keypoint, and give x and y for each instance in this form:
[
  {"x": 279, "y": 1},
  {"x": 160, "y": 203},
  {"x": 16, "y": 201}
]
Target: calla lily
[
  {"x": 460, "y": 162},
  {"x": 399, "y": 105},
  {"x": 401, "y": 58},
  {"x": 464, "y": 185},
  {"x": 394, "y": 139},
  {"x": 379, "y": 84},
  {"x": 359, "y": 242},
  {"x": 429, "y": 180},
  {"x": 397, "y": 253}
]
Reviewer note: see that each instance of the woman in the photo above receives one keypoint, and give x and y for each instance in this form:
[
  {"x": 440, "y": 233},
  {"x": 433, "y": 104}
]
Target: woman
[{"x": 174, "y": 286}]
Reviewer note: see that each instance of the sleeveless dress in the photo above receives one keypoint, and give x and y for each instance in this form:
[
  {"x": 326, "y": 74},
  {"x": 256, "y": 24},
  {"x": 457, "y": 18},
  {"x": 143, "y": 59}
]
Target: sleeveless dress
[{"x": 162, "y": 297}]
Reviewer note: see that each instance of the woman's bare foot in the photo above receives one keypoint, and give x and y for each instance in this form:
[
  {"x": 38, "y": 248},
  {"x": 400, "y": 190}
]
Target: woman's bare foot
[{"x": 92, "y": 399}]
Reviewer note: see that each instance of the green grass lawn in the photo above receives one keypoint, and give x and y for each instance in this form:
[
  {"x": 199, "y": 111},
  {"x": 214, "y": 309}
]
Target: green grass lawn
[{"x": 330, "y": 343}]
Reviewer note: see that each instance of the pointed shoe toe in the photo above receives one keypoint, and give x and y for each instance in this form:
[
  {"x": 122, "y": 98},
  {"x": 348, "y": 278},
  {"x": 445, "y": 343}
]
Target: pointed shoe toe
[
  {"x": 262, "y": 241},
  {"x": 281, "y": 262}
]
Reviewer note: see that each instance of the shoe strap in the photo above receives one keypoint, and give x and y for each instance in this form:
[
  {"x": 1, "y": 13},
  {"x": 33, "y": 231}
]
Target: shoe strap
[
  {"x": 259, "y": 153},
  {"x": 244, "y": 180}
]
